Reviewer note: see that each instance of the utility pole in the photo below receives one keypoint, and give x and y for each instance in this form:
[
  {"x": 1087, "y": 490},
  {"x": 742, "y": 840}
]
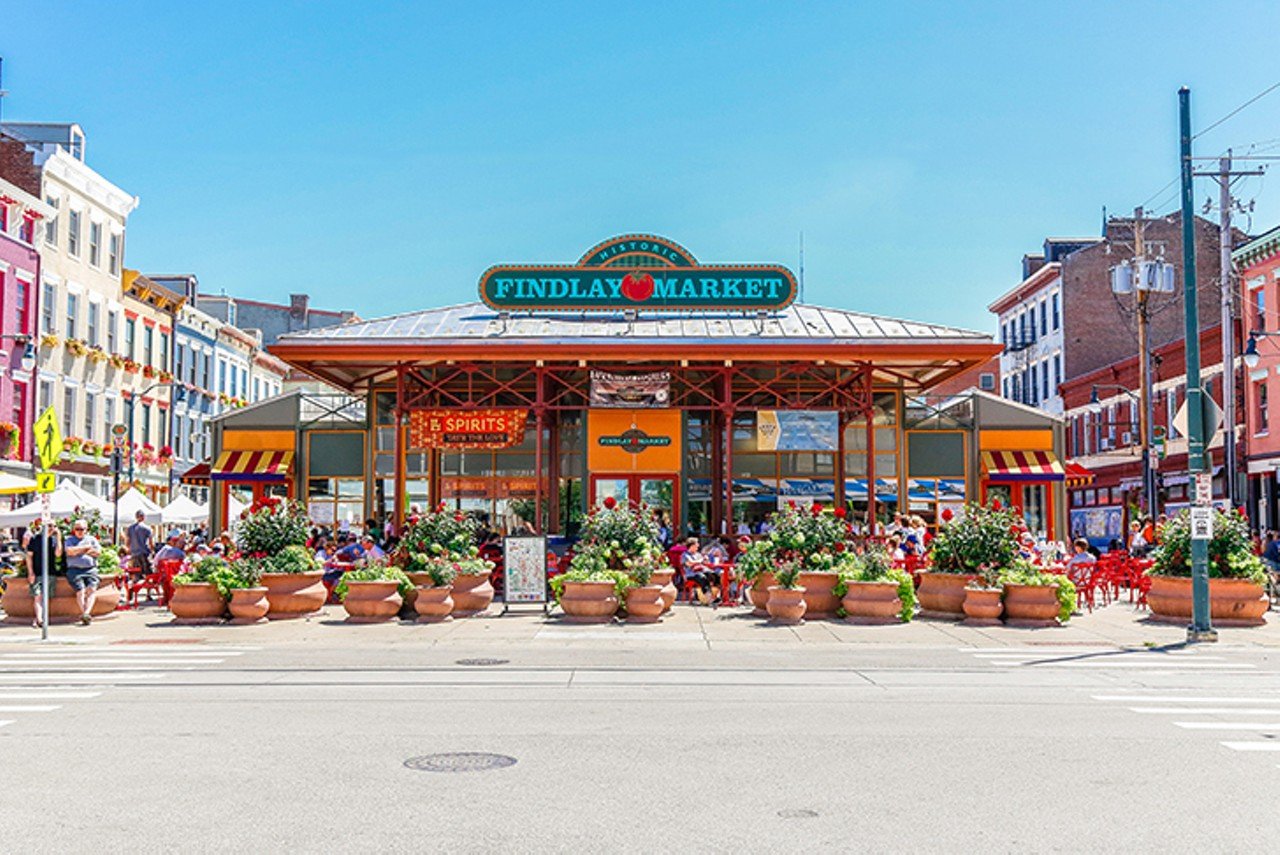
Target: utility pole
[
  {"x": 1201, "y": 628},
  {"x": 1151, "y": 500}
]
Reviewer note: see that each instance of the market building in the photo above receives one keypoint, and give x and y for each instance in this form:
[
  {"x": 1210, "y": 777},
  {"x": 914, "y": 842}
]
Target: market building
[{"x": 638, "y": 373}]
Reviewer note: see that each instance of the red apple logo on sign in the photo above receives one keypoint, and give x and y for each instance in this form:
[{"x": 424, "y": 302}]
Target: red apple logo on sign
[{"x": 637, "y": 287}]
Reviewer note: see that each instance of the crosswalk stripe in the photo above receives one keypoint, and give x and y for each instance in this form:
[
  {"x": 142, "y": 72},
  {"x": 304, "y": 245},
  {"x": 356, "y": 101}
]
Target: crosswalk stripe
[
  {"x": 1228, "y": 725},
  {"x": 3, "y": 723},
  {"x": 73, "y": 677},
  {"x": 46, "y": 696},
  {"x": 1204, "y": 711},
  {"x": 121, "y": 654},
  {"x": 90, "y": 663},
  {"x": 1070, "y": 654},
  {"x": 1253, "y": 746},
  {"x": 1127, "y": 663},
  {"x": 1171, "y": 699},
  {"x": 31, "y": 708}
]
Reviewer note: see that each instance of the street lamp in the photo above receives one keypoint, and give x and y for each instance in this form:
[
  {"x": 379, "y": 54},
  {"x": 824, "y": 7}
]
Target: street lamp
[{"x": 1251, "y": 355}]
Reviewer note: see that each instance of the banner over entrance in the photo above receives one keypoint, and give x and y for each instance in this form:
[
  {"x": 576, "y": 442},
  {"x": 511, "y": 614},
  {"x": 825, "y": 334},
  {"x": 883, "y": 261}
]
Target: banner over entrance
[
  {"x": 638, "y": 272},
  {"x": 466, "y": 428}
]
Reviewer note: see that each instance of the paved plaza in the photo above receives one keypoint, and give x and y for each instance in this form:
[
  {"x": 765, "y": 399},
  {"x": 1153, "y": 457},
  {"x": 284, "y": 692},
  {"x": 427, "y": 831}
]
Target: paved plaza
[{"x": 711, "y": 731}]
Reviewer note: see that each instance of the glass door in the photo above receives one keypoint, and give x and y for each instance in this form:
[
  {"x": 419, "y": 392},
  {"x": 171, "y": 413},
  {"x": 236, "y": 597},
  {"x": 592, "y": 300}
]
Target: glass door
[{"x": 659, "y": 492}]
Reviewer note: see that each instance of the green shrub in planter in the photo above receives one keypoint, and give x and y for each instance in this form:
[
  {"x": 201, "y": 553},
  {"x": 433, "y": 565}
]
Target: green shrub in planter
[
  {"x": 876, "y": 565},
  {"x": 373, "y": 571},
  {"x": 1023, "y": 572},
  {"x": 1230, "y": 549}
]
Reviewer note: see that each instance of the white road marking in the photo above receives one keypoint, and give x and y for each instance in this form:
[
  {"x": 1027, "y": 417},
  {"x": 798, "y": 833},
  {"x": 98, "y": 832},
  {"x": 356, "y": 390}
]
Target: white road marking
[
  {"x": 3, "y": 723},
  {"x": 119, "y": 654},
  {"x": 46, "y": 696},
  {"x": 86, "y": 677},
  {"x": 1171, "y": 699},
  {"x": 1204, "y": 711},
  {"x": 1125, "y": 663},
  {"x": 1253, "y": 746},
  {"x": 1228, "y": 725},
  {"x": 88, "y": 662},
  {"x": 619, "y": 635},
  {"x": 32, "y": 708}
]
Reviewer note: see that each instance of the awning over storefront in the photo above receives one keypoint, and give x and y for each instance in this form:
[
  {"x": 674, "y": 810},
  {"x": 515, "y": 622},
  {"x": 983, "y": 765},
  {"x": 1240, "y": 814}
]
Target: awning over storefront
[
  {"x": 197, "y": 476},
  {"x": 1077, "y": 475},
  {"x": 252, "y": 466},
  {"x": 1022, "y": 466}
]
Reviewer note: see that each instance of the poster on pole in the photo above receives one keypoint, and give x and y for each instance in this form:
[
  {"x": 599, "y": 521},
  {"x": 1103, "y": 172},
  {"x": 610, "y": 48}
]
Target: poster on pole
[
  {"x": 524, "y": 570},
  {"x": 1202, "y": 523}
]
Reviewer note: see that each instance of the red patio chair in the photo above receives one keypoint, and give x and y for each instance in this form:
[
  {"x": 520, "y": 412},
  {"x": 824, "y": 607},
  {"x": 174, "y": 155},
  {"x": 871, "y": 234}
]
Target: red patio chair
[
  {"x": 136, "y": 582},
  {"x": 166, "y": 570}
]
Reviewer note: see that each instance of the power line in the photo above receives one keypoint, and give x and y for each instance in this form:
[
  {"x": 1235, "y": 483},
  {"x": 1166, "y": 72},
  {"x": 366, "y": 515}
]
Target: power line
[{"x": 1261, "y": 94}]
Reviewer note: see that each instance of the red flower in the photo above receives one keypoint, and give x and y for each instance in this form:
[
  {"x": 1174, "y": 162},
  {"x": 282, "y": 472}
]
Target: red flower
[
  {"x": 995, "y": 505},
  {"x": 947, "y": 515},
  {"x": 791, "y": 503},
  {"x": 459, "y": 516},
  {"x": 839, "y": 546},
  {"x": 610, "y": 502},
  {"x": 816, "y": 509},
  {"x": 440, "y": 508},
  {"x": 840, "y": 513}
]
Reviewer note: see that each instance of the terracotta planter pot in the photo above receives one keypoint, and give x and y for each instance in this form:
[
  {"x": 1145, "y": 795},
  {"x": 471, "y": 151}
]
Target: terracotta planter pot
[
  {"x": 248, "y": 605},
  {"x": 871, "y": 603},
  {"x": 19, "y": 607},
  {"x": 786, "y": 605},
  {"x": 982, "y": 606},
  {"x": 942, "y": 595},
  {"x": 759, "y": 593},
  {"x": 198, "y": 602},
  {"x": 589, "y": 602},
  {"x": 1031, "y": 605},
  {"x": 293, "y": 595},
  {"x": 1232, "y": 602},
  {"x": 645, "y": 604},
  {"x": 433, "y": 603},
  {"x": 820, "y": 600},
  {"x": 664, "y": 579},
  {"x": 419, "y": 580},
  {"x": 472, "y": 594},
  {"x": 372, "y": 601}
]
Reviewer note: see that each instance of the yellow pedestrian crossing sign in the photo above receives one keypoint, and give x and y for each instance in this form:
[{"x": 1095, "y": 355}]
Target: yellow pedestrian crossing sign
[
  {"x": 46, "y": 482},
  {"x": 48, "y": 439}
]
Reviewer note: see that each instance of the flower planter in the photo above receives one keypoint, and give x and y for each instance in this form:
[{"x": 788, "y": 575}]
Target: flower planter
[
  {"x": 197, "y": 603},
  {"x": 645, "y": 604},
  {"x": 759, "y": 593},
  {"x": 589, "y": 602},
  {"x": 420, "y": 579},
  {"x": 786, "y": 605},
  {"x": 293, "y": 595},
  {"x": 372, "y": 601},
  {"x": 871, "y": 603},
  {"x": 248, "y": 605},
  {"x": 1031, "y": 606},
  {"x": 820, "y": 599},
  {"x": 472, "y": 594},
  {"x": 663, "y": 579},
  {"x": 1232, "y": 602},
  {"x": 982, "y": 606},
  {"x": 19, "y": 607},
  {"x": 431, "y": 602},
  {"x": 942, "y": 595}
]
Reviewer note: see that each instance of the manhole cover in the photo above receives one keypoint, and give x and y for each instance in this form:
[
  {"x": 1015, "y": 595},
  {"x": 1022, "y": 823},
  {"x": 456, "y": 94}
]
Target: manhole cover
[
  {"x": 797, "y": 813},
  {"x": 483, "y": 661},
  {"x": 463, "y": 761}
]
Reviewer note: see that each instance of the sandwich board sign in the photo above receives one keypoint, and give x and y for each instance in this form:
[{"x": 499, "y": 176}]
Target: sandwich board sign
[{"x": 524, "y": 571}]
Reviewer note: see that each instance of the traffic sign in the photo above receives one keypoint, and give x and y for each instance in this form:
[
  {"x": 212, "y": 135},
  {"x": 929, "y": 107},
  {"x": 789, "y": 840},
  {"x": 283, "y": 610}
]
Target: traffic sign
[
  {"x": 48, "y": 439},
  {"x": 1204, "y": 488},
  {"x": 1212, "y": 419},
  {"x": 1202, "y": 523},
  {"x": 46, "y": 482},
  {"x": 119, "y": 434}
]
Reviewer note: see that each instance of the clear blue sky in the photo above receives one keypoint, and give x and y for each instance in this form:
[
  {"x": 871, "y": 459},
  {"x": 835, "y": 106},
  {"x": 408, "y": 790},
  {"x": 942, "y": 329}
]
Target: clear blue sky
[{"x": 381, "y": 155}]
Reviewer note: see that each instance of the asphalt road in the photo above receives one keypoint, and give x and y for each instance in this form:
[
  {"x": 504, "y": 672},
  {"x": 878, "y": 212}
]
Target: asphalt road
[{"x": 656, "y": 745}]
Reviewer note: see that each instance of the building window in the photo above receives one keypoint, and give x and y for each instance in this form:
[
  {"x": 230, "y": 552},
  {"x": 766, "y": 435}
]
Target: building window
[
  {"x": 68, "y": 411},
  {"x": 1044, "y": 379},
  {"x": 130, "y": 334},
  {"x": 51, "y": 225},
  {"x": 109, "y": 414},
  {"x": 27, "y": 230},
  {"x": 148, "y": 345},
  {"x": 46, "y": 395},
  {"x": 95, "y": 244},
  {"x": 73, "y": 233},
  {"x": 21, "y": 307},
  {"x": 146, "y": 424},
  {"x": 113, "y": 254},
  {"x": 113, "y": 318},
  {"x": 1005, "y": 384},
  {"x": 1022, "y": 328},
  {"x": 92, "y": 332},
  {"x": 1057, "y": 370},
  {"x": 164, "y": 350},
  {"x": 73, "y": 309},
  {"x": 222, "y": 376},
  {"x": 1044, "y": 318},
  {"x": 90, "y": 416},
  {"x": 1034, "y": 398},
  {"x": 1264, "y": 421},
  {"x": 47, "y": 308},
  {"x": 1260, "y": 309},
  {"x": 1054, "y": 301}
]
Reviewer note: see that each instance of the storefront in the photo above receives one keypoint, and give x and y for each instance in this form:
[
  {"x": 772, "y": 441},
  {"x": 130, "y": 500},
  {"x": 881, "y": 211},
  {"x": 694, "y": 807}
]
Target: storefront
[{"x": 705, "y": 391}]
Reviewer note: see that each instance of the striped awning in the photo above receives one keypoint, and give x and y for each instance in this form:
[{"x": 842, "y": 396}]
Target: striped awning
[
  {"x": 196, "y": 476},
  {"x": 1022, "y": 466},
  {"x": 1077, "y": 475},
  {"x": 252, "y": 466}
]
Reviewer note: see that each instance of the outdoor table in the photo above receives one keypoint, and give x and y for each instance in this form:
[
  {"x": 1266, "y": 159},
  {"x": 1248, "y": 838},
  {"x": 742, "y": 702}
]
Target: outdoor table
[{"x": 725, "y": 569}]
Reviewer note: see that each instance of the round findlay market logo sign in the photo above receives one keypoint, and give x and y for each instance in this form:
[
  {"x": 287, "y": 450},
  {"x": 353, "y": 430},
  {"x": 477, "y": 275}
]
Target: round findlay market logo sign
[
  {"x": 634, "y": 441},
  {"x": 638, "y": 272}
]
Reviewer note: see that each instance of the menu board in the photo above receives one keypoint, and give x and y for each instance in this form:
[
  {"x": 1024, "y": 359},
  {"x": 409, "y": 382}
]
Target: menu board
[{"x": 525, "y": 569}]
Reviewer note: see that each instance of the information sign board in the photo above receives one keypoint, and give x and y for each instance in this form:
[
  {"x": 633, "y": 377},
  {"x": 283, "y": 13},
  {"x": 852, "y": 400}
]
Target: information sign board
[
  {"x": 524, "y": 569},
  {"x": 1204, "y": 488},
  {"x": 1202, "y": 523}
]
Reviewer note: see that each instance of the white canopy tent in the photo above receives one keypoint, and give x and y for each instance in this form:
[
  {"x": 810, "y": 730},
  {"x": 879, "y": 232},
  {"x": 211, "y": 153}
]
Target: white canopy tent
[
  {"x": 11, "y": 484},
  {"x": 66, "y": 501},
  {"x": 184, "y": 511},
  {"x": 132, "y": 501},
  {"x": 235, "y": 508}
]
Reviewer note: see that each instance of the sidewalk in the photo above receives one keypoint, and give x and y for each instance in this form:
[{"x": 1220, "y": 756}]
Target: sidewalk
[{"x": 1117, "y": 625}]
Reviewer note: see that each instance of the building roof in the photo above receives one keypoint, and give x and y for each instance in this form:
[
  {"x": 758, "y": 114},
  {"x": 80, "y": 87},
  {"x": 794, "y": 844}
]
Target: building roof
[
  {"x": 927, "y": 352},
  {"x": 1258, "y": 248},
  {"x": 1033, "y": 283}
]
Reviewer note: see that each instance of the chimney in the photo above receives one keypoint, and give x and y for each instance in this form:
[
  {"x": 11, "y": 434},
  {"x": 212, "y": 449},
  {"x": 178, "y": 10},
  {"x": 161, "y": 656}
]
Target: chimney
[
  {"x": 298, "y": 305},
  {"x": 1031, "y": 262}
]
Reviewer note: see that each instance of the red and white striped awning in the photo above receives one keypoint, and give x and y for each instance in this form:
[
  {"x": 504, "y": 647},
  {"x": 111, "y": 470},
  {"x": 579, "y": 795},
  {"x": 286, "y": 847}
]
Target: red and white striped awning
[
  {"x": 1022, "y": 466},
  {"x": 252, "y": 466},
  {"x": 1077, "y": 475}
]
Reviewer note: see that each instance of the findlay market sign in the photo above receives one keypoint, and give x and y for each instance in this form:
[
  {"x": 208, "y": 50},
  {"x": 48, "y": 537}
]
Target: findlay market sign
[{"x": 638, "y": 272}]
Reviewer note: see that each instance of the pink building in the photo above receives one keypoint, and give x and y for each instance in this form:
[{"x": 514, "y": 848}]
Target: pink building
[
  {"x": 21, "y": 217},
  {"x": 1258, "y": 264}
]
